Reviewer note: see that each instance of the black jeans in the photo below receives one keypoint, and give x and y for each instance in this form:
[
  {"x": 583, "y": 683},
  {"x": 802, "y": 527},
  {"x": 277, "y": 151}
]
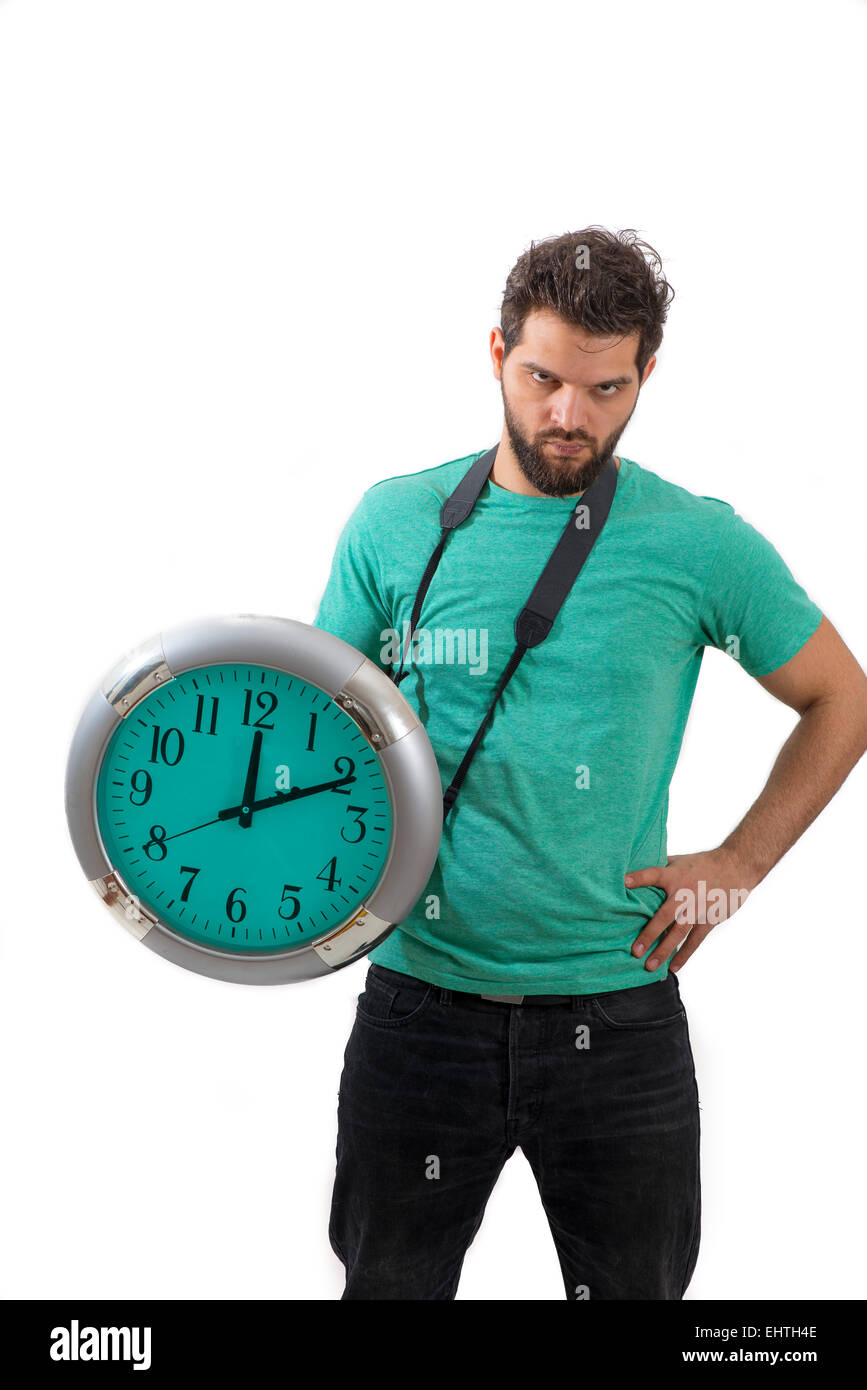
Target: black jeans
[{"x": 440, "y": 1087}]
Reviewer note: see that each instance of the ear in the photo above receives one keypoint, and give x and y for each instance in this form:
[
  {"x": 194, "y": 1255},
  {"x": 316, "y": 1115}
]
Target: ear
[
  {"x": 648, "y": 369},
  {"x": 498, "y": 348}
]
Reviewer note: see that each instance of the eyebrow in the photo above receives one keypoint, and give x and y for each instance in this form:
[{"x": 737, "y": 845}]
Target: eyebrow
[{"x": 609, "y": 380}]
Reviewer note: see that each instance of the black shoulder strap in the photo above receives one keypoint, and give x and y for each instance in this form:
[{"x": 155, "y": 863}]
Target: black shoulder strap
[
  {"x": 457, "y": 508},
  {"x": 453, "y": 511},
  {"x": 536, "y": 618}
]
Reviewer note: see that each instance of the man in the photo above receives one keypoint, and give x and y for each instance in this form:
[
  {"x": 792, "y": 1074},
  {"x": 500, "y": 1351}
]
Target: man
[{"x": 531, "y": 998}]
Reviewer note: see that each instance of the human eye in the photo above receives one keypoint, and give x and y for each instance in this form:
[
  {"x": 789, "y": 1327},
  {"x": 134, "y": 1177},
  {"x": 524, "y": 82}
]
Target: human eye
[
  {"x": 609, "y": 389},
  {"x": 546, "y": 375}
]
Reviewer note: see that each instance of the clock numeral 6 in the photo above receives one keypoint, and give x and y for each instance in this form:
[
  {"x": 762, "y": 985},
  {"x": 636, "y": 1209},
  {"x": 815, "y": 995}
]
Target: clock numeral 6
[{"x": 236, "y": 908}]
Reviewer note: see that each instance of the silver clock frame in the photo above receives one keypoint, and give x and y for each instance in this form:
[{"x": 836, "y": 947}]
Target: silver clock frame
[{"x": 385, "y": 718}]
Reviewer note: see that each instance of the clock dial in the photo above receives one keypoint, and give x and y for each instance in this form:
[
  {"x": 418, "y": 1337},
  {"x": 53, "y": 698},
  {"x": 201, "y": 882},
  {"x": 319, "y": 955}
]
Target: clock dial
[{"x": 244, "y": 808}]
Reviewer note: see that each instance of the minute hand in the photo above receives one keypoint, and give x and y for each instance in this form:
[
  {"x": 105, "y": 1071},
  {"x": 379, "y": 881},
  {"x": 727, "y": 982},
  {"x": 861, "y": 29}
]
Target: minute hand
[{"x": 294, "y": 795}]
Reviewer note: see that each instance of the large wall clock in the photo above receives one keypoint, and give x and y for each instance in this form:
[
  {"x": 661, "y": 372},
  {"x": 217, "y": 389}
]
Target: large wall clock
[{"x": 254, "y": 799}]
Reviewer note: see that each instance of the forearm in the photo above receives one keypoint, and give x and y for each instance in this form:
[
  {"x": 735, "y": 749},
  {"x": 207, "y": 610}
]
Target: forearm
[{"x": 815, "y": 760}]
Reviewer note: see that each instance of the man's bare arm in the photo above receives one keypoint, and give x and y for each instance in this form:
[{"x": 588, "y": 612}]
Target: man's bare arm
[{"x": 828, "y": 688}]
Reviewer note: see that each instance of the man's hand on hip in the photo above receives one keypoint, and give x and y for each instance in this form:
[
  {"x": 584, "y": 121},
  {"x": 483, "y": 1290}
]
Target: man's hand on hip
[{"x": 702, "y": 890}]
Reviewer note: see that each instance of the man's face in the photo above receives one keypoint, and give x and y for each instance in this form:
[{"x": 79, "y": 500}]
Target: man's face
[{"x": 562, "y": 386}]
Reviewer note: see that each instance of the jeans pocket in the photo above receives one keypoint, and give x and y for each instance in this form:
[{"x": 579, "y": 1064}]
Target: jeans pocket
[
  {"x": 642, "y": 1006},
  {"x": 391, "y": 1000}
]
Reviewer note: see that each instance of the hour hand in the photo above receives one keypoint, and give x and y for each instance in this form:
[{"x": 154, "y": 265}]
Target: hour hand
[{"x": 245, "y": 819}]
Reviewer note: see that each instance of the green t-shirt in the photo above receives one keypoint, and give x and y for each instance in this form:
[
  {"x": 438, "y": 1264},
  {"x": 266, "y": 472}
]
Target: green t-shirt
[{"x": 569, "y": 789}]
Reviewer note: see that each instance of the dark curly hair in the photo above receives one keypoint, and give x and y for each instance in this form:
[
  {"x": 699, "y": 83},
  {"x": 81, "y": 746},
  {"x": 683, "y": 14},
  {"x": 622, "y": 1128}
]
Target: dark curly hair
[{"x": 620, "y": 290}]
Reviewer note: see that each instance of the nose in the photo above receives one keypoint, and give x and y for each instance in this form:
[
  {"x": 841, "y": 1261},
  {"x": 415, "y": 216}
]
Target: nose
[{"x": 571, "y": 413}]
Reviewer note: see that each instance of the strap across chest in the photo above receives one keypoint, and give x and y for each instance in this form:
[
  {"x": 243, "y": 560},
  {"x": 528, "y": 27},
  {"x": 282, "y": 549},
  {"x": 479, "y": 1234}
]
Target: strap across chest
[{"x": 536, "y": 618}]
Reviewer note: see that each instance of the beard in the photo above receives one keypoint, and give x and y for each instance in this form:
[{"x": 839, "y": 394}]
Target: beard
[{"x": 560, "y": 476}]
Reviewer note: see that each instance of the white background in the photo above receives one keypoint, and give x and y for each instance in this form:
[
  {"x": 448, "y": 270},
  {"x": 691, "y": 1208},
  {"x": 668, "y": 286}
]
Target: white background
[{"x": 250, "y": 255}]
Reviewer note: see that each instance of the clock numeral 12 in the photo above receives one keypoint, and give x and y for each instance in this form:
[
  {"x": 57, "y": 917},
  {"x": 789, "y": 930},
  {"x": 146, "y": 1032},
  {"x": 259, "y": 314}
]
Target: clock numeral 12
[{"x": 262, "y": 699}]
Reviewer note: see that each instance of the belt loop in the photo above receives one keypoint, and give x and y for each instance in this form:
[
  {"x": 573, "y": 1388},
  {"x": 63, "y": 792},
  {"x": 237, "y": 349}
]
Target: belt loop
[{"x": 444, "y": 995}]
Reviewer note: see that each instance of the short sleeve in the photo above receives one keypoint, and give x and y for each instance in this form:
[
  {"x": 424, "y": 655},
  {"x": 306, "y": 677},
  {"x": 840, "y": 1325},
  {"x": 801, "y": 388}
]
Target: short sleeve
[
  {"x": 752, "y": 606},
  {"x": 352, "y": 606}
]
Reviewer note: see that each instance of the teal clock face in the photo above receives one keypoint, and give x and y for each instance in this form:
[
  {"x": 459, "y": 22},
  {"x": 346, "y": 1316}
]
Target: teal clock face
[{"x": 244, "y": 808}]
